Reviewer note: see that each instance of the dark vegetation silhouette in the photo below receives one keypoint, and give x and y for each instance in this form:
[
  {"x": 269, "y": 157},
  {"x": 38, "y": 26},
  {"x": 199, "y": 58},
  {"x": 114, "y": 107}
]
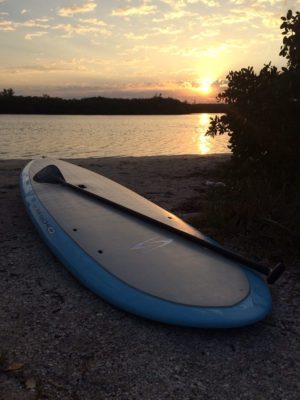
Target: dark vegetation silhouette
[
  {"x": 262, "y": 119},
  {"x": 12, "y": 104},
  {"x": 262, "y": 192}
]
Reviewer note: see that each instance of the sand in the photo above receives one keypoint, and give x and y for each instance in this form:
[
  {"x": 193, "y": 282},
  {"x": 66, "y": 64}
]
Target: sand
[{"x": 59, "y": 341}]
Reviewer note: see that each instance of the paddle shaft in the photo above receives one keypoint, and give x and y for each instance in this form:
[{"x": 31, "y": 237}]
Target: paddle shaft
[{"x": 272, "y": 274}]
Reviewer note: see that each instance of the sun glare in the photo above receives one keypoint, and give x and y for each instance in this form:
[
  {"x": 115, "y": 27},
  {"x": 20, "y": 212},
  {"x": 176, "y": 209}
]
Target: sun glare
[
  {"x": 205, "y": 85},
  {"x": 203, "y": 141}
]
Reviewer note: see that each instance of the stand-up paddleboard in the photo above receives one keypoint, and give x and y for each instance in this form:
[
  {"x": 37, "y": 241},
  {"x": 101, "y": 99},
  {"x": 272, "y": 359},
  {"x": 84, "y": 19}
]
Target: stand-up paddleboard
[{"x": 137, "y": 255}]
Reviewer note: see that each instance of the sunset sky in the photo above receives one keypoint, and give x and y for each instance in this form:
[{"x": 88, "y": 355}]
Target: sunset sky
[{"x": 135, "y": 48}]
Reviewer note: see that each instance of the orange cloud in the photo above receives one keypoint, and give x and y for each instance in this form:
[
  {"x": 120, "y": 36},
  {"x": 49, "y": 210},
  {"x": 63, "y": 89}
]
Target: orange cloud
[
  {"x": 29, "y": 36},
  {"x": 77, "y": 9},
  {"x": 128, "y": 11}
]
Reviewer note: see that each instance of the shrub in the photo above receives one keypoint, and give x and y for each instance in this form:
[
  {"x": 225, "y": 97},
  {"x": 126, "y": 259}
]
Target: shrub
[{"x": 263, "y": 121}]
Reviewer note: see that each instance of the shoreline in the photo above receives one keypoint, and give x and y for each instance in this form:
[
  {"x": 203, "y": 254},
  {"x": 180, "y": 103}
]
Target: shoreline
[
  {"x": 116, "y": 157},
  {"x": 70, "y": 344},
  {"x": 156, "y": 105}
]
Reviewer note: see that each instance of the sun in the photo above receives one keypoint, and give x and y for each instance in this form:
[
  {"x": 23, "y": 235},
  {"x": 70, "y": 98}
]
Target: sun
[{"x": 205, "y": 85}]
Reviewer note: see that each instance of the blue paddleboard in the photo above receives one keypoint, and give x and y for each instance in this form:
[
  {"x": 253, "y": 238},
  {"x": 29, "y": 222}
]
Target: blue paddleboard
[{"x": 147, "y": 269}]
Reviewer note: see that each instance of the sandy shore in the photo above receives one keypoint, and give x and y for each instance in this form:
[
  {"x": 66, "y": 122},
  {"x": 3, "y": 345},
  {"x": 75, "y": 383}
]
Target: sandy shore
[{"x": 60, "y": 341}]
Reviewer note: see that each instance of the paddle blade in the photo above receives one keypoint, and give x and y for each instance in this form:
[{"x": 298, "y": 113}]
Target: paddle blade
[{"x": 49, "y": 174}]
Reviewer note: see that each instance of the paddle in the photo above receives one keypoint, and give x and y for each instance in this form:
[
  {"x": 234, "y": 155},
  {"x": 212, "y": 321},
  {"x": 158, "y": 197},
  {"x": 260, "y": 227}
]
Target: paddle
[{"x": 52, "y": 174}]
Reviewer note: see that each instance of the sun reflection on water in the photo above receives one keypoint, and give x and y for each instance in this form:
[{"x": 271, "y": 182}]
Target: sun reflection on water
[{"x": 204, "y": 142}]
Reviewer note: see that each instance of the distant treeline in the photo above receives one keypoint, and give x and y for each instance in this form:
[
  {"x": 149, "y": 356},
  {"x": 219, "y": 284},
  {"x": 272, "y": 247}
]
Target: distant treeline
[{"x": 12, "y": 104}]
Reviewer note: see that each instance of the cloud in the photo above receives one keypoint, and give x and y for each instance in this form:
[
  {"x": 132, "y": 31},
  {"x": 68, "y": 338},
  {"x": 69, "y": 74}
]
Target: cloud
[
  {"x": 29, "y": 36},
  {"x": 92, "y": 21},
  {"x": 81, "y": 29},
  {"x": 141, "y": 49},
  {"x": 211, "y": 3},
  {"x": 105, "y": 88},
  {"x": 35, "y": 23},
  {"x": 257, "y": 2},
  {"x": 238, "y": 2},
  {"x": 133, "y": 36},
  {"x": 266, "y": 37},
  {"x": 24, "y": 11},
  {"x": 144, "y": 9},
  {"x": 269, "y": 19},
  {"x": 211, "y": 51},
  {"x": 181, "y": 4},
  {"x": 7, "y": 26},
  {"x": 77, "y": 9},
  {"x": 215, "y": 20},
  {"x": 246, "y": 16},
  {"x": 207, "y": 33},
  {"x": 84, "y": 25},
  {"x": 69, "y": 65},
  {"x": 175, "y": 14},
  {"x": 176, "y": 4},
  {"x": 167, "y": 31}
]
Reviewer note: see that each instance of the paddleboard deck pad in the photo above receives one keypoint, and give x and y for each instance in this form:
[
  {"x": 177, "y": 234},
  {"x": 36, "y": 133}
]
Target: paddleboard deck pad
[{"x": 142, "y": 268}]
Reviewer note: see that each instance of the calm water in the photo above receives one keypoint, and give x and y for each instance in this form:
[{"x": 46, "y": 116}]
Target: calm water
[{"x": 29, "y": 136}]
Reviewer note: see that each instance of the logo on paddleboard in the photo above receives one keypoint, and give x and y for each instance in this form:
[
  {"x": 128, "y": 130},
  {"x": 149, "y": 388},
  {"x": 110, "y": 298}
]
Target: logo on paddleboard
[{"x": 153, "y": 243}]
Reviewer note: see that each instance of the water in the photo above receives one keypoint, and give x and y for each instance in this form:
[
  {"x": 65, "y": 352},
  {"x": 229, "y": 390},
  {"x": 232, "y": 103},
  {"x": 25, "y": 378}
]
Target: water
[{"x": 30, "y": 136}]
